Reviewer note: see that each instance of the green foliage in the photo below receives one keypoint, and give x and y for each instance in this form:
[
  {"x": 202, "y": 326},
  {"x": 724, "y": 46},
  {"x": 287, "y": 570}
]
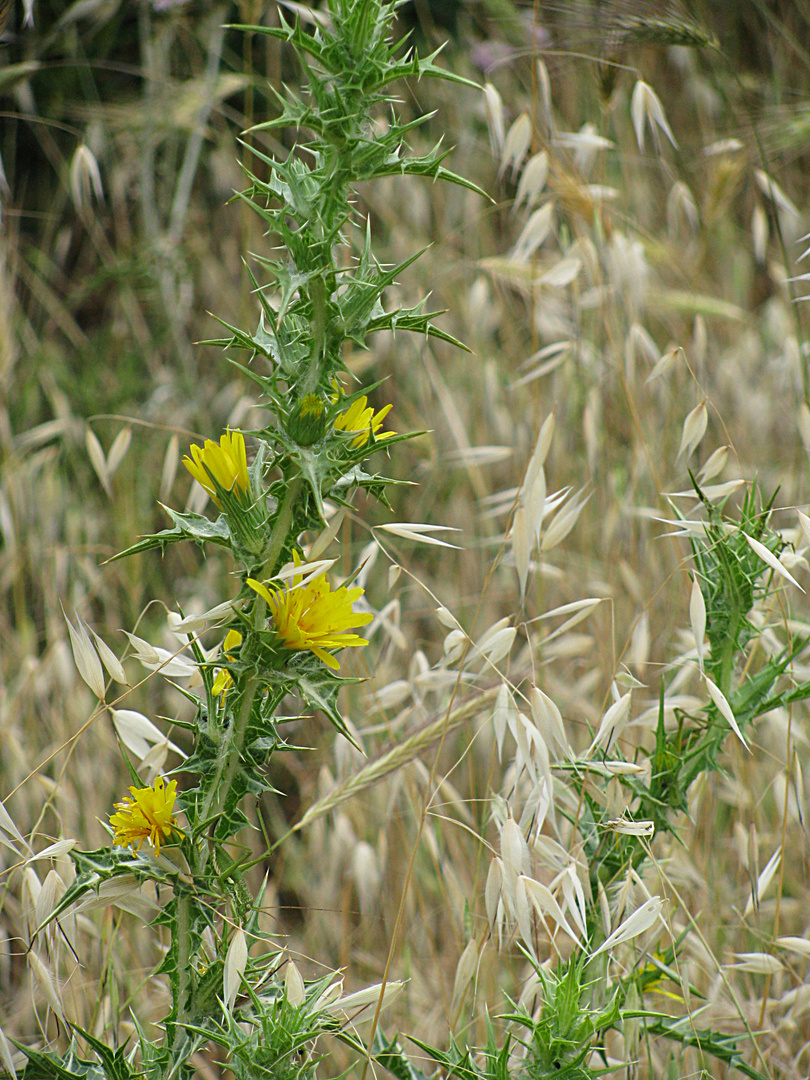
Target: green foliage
[
  {"x": 733, "y": 577},
  {"x": 730, "y": 576},
  {"x": 682, "y": 1030},
  {"x": 278, "y": 1039},
  {"x": 561, "y": 1039},
  {"x": 568, "y": 1028}
]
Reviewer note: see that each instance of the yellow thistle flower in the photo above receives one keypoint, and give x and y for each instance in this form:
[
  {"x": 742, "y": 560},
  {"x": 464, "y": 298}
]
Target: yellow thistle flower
[
  {"x": 360, "y": 417},
  {"x": 313, "y": 617},
  {"x": 225, "y": 462},
  {"x": 145, "y": 815},
  {"x": 223, "y": 682}
]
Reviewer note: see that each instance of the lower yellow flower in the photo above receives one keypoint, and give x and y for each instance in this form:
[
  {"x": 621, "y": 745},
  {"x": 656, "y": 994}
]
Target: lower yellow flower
[
  {"x": 223, "y": 681},
  {"x": 313, "y": 617},
  {"x": 145, "y": 815},
  {"x": 360, "y": 417},
  {"x": 225, "y": 462}
]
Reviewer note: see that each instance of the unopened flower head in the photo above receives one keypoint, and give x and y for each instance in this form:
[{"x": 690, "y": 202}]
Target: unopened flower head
[
  {"x": 314, "y": 617},
  {"x": 307, "y": 423},
  {"x": 311, "y": 405},
  {"x": 361, "y": 418},
  {"x": 224, "y": 462},
  {"x": 145, "y": 814},
  {"x": 224, "y": 681}
]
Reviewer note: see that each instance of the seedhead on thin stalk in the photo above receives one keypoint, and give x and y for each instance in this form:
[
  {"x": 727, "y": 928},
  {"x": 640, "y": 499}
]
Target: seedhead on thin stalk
[{"x": 282, "y": 631}]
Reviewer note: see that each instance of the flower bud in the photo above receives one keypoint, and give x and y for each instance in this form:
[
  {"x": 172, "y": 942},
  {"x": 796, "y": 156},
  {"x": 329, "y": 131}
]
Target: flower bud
[{"x": 306, "y": 423}]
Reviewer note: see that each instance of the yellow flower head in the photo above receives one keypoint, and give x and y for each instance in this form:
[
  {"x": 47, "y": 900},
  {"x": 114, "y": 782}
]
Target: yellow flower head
[
  {"x": 223, "y": 682},
  {"x": 145, "y": 815},
  {"x": 225, "y": 462},
  {"x": 360, "y": 417},
  {"x": 313, "y": 617}
]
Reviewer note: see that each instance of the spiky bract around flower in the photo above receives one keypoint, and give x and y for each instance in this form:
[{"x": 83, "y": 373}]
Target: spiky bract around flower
[
  {"x": 307, "y": 422},
  {"x": 145, "y": 814},
  {"x": 311, "y": 405}
]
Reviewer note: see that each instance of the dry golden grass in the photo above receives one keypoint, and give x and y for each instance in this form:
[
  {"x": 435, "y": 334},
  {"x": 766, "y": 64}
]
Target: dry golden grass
[{"x": 680, "y": 253}]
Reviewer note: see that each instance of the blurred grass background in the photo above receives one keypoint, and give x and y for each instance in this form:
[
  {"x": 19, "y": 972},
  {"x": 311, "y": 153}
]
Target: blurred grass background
[{"x": 119, "y": 140}]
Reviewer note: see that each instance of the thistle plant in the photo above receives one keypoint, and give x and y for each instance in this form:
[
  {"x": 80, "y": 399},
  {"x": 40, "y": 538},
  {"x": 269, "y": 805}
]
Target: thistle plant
[{"x": 275, "y": 494}]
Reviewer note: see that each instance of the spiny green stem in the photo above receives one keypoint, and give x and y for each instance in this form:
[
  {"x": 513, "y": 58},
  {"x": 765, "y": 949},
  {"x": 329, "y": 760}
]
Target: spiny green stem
[
  {"x": 234, "y": 756},
  {"x": 317, "y": 296},
  {"x": 183, "y": 959},
  {"x": 227, "y": 765},
  {"x": 281, "y": 528},
  {"x": 730, "y": 650},
  {"x": 244, "y": 900}
]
